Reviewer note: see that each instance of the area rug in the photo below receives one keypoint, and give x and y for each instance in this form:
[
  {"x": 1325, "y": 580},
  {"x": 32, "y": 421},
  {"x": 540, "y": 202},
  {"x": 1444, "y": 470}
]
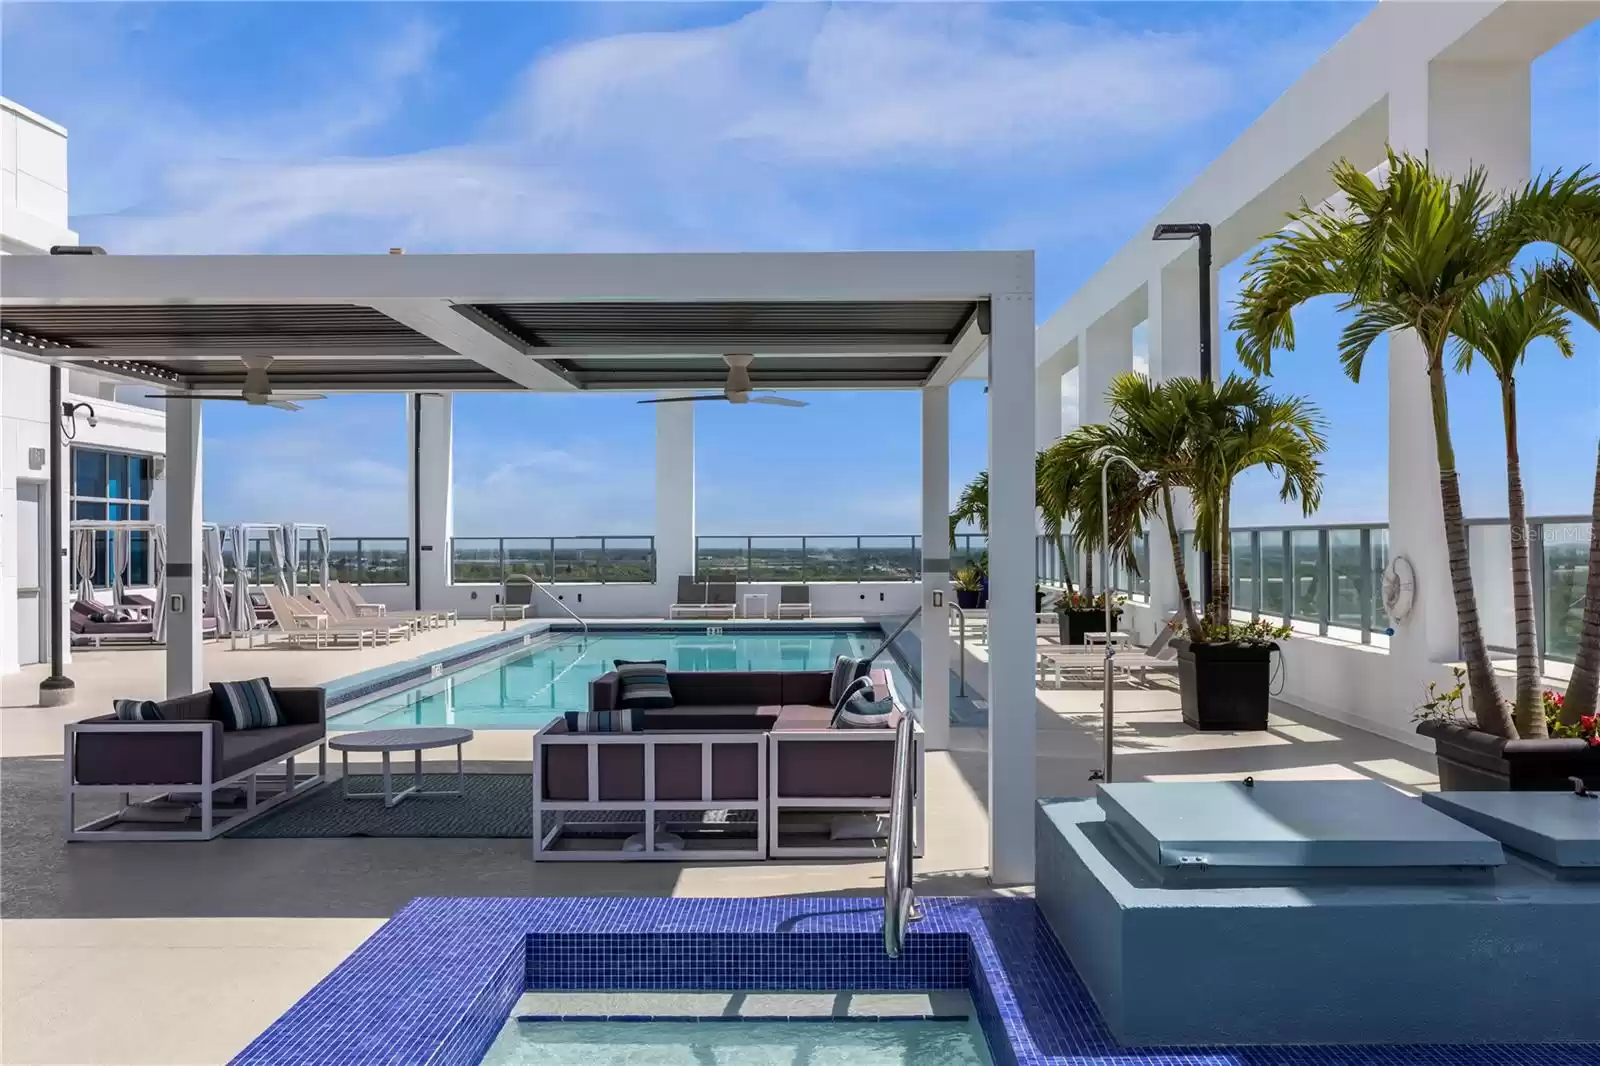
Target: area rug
[{"x": 495, "y": 805}]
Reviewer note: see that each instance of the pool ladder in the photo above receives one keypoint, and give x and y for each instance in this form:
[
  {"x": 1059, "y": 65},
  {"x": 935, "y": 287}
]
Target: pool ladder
[
  {"x": 530, "y": 579},
  {"x": 899, "y": 898}
]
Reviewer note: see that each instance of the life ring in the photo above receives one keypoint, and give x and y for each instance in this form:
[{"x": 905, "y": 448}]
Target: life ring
[{"x": 1399, "y": 588}]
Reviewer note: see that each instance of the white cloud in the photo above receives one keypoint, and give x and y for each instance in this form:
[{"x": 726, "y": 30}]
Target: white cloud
[{"x": 730, "y": 136}]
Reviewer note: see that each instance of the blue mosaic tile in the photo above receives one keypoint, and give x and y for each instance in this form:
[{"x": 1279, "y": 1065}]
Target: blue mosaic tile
[{"x": 435, "y": 983}]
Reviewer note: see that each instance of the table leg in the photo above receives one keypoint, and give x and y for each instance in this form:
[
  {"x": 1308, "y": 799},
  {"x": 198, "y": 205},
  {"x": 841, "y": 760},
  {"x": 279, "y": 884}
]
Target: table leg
[
  {"x": 388, "y": 791},
  {"x": 416, "y": 771},
  {"x": 461, "y": 773},
  {"x": 344, "y": 774}
]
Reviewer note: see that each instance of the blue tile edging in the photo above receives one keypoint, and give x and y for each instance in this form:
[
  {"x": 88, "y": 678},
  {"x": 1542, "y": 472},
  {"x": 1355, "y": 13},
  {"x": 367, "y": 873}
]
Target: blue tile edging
[
  {"x": 395, "y": 675},
  {"x": 436, "y": 983}
]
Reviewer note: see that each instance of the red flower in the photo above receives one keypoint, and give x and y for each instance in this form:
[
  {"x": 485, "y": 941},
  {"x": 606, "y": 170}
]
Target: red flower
[{"x": 1586, "y": 721}]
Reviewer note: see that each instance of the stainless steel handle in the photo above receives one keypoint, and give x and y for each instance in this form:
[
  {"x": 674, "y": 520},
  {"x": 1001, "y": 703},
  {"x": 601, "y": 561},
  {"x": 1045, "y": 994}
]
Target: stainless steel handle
[
  {"x": 899, "y": 898},
  {"x": 530, "y": 579}
]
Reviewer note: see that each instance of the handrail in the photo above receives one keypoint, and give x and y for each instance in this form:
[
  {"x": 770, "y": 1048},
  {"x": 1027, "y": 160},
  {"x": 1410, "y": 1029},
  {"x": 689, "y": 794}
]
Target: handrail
[
  {"x": 899, "y": 898},
  {"x": 961, "y": 644},
  {"x": 530, "y": 579}
]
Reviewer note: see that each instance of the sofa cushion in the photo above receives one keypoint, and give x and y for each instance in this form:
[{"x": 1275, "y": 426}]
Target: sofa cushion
[
  {"x": 726, "y": 687},
  {"x": 625, "y": 721},
  {"x": 643, "y": 685},
  {"x": 861, "y": 711},
  {"x": 245, "y": 705},
  {"x": 247, "y": 749},
  {"x": 137, "y": 711}
]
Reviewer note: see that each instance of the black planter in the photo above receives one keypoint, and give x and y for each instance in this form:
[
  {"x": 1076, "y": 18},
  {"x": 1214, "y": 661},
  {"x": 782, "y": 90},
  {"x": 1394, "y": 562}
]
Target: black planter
[
  {"x": 1038, "y": 600},
  {"x": 1474, "y": 761},
  {"x": 1224, "y": 686},
  {"x": 969, "y": 599},
  {"x": 1074, "y": 624}
]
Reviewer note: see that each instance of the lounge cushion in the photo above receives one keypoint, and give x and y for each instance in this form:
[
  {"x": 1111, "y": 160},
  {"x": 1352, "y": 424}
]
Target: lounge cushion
[
  {"x": 244, "y": 705},
  {"x": 860, "y": 686},
  {"x": 643, "y": 685},
  {"x": 861, "y": 711},
  {"x": 138, "y": 711},
  {"x": 627, "y": 721}
]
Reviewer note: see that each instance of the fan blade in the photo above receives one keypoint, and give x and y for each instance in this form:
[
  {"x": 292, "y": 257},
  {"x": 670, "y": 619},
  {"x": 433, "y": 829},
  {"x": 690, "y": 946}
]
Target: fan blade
[
  {"x": 192, "y": 396},
  {"x": 779, "y": 401},
  {"x": 284, "y": 405},
  {"x": 687, "y": 399}
]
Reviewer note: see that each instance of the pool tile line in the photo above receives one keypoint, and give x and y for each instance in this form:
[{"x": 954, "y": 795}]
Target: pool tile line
[
  {"x": 382, "y": 678},
  {"x": 698, "y": 1019},
  {"x": 435, "y": 984}
]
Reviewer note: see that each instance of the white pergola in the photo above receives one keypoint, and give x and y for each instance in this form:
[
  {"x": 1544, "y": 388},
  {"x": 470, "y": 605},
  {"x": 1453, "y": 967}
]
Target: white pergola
[{"x": 437, "y": 324}]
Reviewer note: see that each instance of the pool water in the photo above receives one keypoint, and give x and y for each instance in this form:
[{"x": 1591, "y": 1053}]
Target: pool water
[
  {"x": 823, "y": 1042},
  {"x": 529, "y": 687}
]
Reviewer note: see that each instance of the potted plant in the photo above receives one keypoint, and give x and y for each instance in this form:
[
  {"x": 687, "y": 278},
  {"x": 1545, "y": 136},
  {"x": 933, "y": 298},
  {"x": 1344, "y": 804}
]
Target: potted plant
[
  {"x": 1473, "y": 760},
  {"x": 1078, "y": 613},
  {"x": 1196, "y": 436},
  {"x": 1433, "y": 257},
  {"x": 969, "y": 588}
]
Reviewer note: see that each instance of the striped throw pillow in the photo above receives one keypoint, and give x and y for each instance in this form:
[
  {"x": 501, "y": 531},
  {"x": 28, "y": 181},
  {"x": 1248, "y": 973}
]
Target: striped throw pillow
[
  {"x": 845, "y": 670},
  {"x": 241, "y": 705},
  {"x": 605, "y": 721},
  {"x": 138, "y": 711},
  {"x": 861, "y": 711},
  {"x": 643, "y": 685}
]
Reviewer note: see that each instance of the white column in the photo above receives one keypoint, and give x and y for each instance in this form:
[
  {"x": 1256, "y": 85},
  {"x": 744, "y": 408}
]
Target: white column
[
  {"x": 674, "y": 498},
  {"x": 1047, "y": 424},
  {"x": 430, "y": 496},
  {"x": 185, "y": 669},
  {"x": 1174, "y": 337},
  {"x": 1012, "y": 700},
  {"x": 936, "y": 566},
  {"x": 1462, "y": 115},
  {"x": 1105, "y": 350}
]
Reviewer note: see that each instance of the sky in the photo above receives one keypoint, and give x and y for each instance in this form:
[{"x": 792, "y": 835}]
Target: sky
[{"x": 235, "y": 127}]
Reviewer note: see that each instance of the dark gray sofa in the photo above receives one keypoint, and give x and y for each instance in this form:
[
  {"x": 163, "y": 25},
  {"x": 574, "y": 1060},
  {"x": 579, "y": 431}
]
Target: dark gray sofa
[{"x": 189, "y": 751}]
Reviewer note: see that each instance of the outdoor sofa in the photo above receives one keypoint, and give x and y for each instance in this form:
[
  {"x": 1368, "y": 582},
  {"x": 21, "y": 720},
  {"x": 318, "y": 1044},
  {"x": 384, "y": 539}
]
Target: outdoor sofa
[
  {"x": 188, "y": 760},
  {"x": 744, "y": 765}
]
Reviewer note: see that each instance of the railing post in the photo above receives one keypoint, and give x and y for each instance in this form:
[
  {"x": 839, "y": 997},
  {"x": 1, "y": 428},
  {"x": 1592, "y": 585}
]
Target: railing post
[
  {"x": 858, "y": 561},
  {"x": 749, "y": 560},
  {"x": 1364, "y": 584},
  {"x": 1288, "y": 577},
  {"x": 604, "y": 559},
  {"x": 1324, "y": 581},
  {"x": 1535, "y": 534}
]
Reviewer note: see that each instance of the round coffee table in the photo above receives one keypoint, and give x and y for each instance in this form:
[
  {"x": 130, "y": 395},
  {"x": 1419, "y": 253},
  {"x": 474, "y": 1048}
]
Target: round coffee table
[{"x": 415, "y": 739}]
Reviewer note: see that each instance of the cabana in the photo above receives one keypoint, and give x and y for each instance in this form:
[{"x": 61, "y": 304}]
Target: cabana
[
  {"x": 244, "y": 612},
  {"x": 293, "y": 532},
  {"x": 94, "y": 623}
]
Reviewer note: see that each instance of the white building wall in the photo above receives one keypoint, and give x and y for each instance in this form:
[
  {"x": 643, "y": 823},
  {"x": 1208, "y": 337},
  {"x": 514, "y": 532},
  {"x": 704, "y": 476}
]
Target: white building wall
[{"x": 33, "y": 217}]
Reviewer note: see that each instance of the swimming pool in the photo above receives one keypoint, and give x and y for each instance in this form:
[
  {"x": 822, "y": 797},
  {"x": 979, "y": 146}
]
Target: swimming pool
[{"x": 528, "y": 687}]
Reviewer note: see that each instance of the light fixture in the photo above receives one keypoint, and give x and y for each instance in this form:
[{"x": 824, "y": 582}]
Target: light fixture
[{"x": 1188, "y": 231}]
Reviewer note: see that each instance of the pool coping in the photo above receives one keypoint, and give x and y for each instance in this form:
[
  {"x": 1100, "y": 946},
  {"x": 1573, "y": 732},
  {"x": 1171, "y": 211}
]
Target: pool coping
[{"x": 434, "y": 985}]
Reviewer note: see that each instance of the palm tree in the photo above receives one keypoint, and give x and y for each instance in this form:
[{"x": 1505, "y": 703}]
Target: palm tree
[
  {"x": 1498, "y": 324},
  {"x": 1194, "y": 436},
  {"x": 1409, "y": 254},
  {"x": 1052, "y": 491},
  {"x": 1574, "y": 285}
]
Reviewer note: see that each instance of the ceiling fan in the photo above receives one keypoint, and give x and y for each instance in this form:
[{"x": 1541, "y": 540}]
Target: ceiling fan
[
  {"x": 737, "y": 389},
  {"x": 257, "y": 390}
]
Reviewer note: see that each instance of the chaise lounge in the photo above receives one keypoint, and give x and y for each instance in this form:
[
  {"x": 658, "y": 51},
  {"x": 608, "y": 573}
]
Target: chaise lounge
[
  {"x": 744, "y": 765},
  {"x": 713, "y": 599}
]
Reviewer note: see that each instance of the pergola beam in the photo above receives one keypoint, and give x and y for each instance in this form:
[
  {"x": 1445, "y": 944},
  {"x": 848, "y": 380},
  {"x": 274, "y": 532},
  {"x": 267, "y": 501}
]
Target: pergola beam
[{"x": 471, "y": 338}]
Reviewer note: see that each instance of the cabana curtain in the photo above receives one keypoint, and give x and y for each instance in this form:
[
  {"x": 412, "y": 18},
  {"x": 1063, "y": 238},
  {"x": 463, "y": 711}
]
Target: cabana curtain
[
  {"x": 279, "y": 563},
  {"x": 323, "y": 543},
  {"x": 121, "y": 549},
  {"x": 243, "y": 611},
  {"x": 83, "y": 562},
  {"x": 158, "y": 575},
  {"x": 215, "y": 590}
]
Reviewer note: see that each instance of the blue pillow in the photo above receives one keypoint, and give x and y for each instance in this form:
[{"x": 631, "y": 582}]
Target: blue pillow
[
  {"x": 138, "y": 711},
  {"x": 861, "y": 711},
  {"x": 242, "y": 705}
]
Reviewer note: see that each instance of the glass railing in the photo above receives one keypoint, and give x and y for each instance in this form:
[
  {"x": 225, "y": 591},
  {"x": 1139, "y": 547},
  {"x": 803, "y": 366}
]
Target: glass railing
[
  {"x": 1329, "y": 579},
  {"x": 353, "y": 560},
  {"x": 801, "y": 560},
  {"x": 598, "y": 560},
  {"x": 1135, "y": 584}
]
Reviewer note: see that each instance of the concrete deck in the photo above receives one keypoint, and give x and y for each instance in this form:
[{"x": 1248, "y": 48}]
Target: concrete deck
[{"x": 100, "y": 943}]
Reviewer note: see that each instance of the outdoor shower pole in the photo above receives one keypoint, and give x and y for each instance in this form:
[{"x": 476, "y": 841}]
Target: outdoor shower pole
[
  {"x": 57, "y": 689},
  {"x": 1106, "y": 689}
]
